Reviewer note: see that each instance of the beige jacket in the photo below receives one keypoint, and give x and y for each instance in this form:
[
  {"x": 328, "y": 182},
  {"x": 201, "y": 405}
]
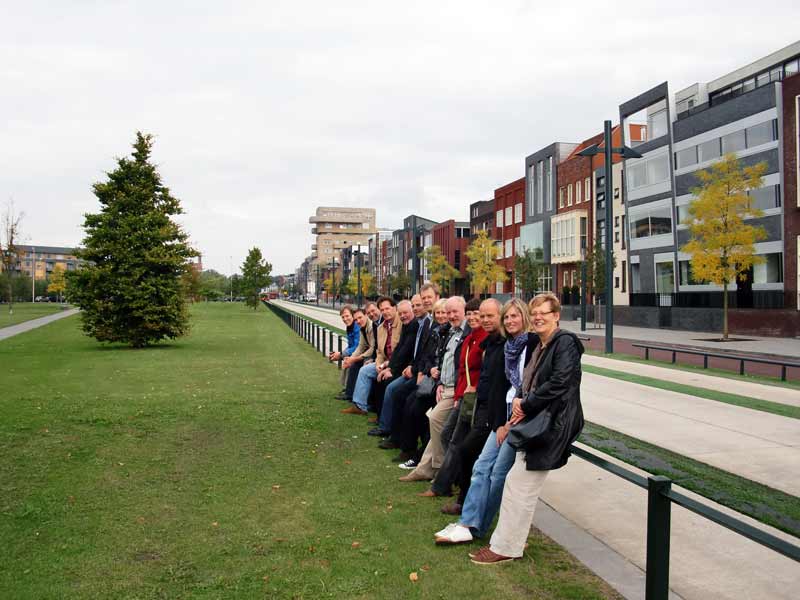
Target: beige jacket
[
  {"x": 397, "y": 325},
  {"x": 366, "y": 344}
]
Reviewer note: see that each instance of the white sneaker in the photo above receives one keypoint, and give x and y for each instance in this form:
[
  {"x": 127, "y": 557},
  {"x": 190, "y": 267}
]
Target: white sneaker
[
  {"x": 408, "y": 465},
  {"x": 457, "y": 535},
  {"x": 445, "y": 531}
]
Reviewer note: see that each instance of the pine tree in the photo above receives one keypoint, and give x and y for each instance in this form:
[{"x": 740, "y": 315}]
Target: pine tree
[
  {"x": 255, "y": 275},
  {"x": 130, "y": 288},
  {"x": 722, "y": 244}
]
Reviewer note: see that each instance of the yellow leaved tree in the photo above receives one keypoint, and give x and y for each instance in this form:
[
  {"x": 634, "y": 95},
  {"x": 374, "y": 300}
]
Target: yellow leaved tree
[
  {"x": 722, "y": 245},
  {"x": 482, "y": 267},
  {"x": 58, "y": 283},
  {"x": 440, "y": 271}
]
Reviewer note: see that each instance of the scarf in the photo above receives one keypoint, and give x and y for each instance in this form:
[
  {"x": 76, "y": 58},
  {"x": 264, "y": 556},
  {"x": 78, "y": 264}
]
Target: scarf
[{"x": 513, "y": 352}]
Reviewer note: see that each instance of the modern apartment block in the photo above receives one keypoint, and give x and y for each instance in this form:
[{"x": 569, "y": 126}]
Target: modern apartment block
[
  {"x": 509, "y": 210},
  {"x": 338, "y": 227},
  {"x": 481, "y": 217},
  {"x": 39, "y": 261},
  {"x": 453, "y": 239},
  {"x": 407, "y": 246},
  {"x": 378, "y": 261},
  {"x": 541, "y": 177}
]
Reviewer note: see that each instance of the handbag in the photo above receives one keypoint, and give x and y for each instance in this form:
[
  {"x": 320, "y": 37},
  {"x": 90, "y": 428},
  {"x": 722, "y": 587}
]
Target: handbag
[
  {"x": 468, "y": 399},
  {"x": 531, "y": 433},
  {"x": 427, "y": 386}
]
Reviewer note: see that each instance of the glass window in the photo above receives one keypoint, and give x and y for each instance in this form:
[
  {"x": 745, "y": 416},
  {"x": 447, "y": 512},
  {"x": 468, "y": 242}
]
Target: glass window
[
  {"x": 733, "y": 142},
  {"x": 762, "y": 79},
  {"x": 509, "y": 248},
  {"x": 665, "y": 277},
  {"x": 658, "y": 169},
  {"x": 532, "y": 189},
  {"x": 518, "y": 213},
  {"x": 685, "y": 275},
  {"x": 601, "y": 181},
  {"x": 686, "y": 158},
  {"x": 637, "y": 175},
  {"x": 587, "y": 188},
  {"x": 708, "y": 150},
  {"x": 657, "y": 124},
  {"x": 759, "y": 134},
  {"x": 577, "y": 192},
  {"x": 661, "y": 221},
  {"x": 499, "y": 221},
  {"x": 569, "y": 195},
  {"x": 776, "y": 74},
  {"x": 509, "y": 215},
  {"x": 749, "y": 84},
  {"x": 792, "y": 67},
  {"x": 548, "y": 188},
  {"x": 765, "y": 197},
  {"x": 683, "y": 212},
  {"x": 561, "y": 197},
  {"x": 771, "y": 270}
]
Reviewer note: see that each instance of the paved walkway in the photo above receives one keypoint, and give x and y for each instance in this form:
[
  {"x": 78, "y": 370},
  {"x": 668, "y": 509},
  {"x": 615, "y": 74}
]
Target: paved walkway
[
  {"x": 12, "y": 330},
  {"x": 708, "y": 561}
]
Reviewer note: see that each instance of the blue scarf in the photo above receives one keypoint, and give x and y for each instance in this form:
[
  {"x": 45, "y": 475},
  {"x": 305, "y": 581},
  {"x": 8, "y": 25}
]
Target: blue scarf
[{"x": 513, "y": 352}]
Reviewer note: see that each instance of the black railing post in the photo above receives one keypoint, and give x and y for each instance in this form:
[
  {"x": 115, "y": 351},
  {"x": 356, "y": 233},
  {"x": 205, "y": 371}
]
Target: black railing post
[
  {"x": 339, "y": 362},
  {"x": 330, "y": 341},
  {"x": 658, "y": 535}
]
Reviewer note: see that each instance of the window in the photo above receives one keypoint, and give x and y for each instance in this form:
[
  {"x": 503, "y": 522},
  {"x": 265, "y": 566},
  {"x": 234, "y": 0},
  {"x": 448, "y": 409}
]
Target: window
[
  {"x": 518, "y": 213},
  {"x": 457, "y": 260},
  {"x": 665, "y": 277},
  {"x": 624, "y": 276},
  {"x": 733, "y": 142},
  {"x": 685, "y": 275},
  {"x": 708, "y": 150},
  {"x": 616, "y": 221},
  {"x": 601, "y": 233},
  {"x": 577, "y": 192},
  {"x": 548, "y": 183},
  {"x": 601, "y": 181},
  {"x": 648, "y": 171},
  {"x": 657, "y": 124},
  {"x": 686, "y": 158},
  {"x": 791, "y": 67},
  {"x": 583, "y": 233},
  {"x": 540, "y": 187},
  {"x": 565, "y": 279},
  {"x": 561, "y": 197},
  {"x": 652, "y": 221},
  {"x": 601, "y": 197},
  {"x": 531, "y": 189},
  {"x": 759, "y": 134},
  {"x": 616, "y": 193},
  {"x": 624, "y": 231},
  {"x": 616, "y": 282},
  {"x": 765, "y": 197},
  {"x": 616, "y": 236},
  {"x": 509, "y": 215},
  {"x": 569, "y": 195},
  {"x": 509, "y": 248},
  {"x": 587, "y": 187},
  {"x": 771, "y": 270},
  {"x": 499, "y": 221},
  {"x": 517, "y": 246},
  {"x": 636, "y": 283}
]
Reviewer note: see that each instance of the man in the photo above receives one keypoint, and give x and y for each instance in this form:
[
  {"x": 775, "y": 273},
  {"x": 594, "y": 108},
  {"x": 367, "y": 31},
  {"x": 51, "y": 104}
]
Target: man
[
  {"x": 404, "y": 382},
  {"x": 373, "y": 313},
  {"x": 387, "y": 338},
  {"x": 446, "y": 374},
  {"x": 363, "y": 354}
]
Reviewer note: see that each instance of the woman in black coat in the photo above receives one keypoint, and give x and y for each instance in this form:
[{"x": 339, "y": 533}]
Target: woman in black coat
[{"x": 554, "y": 376}]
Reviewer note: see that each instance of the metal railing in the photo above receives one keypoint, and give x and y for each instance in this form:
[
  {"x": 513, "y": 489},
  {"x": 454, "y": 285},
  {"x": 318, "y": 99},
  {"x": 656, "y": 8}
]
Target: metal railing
[{"x": 660, "y": 495}]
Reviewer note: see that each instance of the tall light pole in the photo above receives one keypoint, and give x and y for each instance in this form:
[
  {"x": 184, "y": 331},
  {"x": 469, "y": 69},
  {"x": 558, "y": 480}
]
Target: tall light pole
[
  {"x": 358, "y": 274},
  {"x": 33, "y": 274},
  {"x": 608, "y": 152},
  {"x": 583, "y": 288},
  {"x": 333, "y": 280}
]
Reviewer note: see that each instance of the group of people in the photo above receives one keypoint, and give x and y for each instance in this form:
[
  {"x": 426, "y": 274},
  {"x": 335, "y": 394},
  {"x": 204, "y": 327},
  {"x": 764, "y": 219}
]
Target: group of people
[{"x": 448, "y": 379}]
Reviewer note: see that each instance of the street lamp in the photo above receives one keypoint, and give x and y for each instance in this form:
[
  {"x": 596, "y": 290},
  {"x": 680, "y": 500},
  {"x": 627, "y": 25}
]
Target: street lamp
[
  {"x": 33, "y": 274},
  {"x": 583, "y": 288},
  {"x": 333, "y": 279},
  {"x": 608, "y": 152},
  {"x": 358, "y": 274}
]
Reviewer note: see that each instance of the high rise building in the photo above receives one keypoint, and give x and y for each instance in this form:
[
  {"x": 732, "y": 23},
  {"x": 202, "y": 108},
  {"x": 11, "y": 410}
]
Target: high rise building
[{"x": 338, "y": 227}]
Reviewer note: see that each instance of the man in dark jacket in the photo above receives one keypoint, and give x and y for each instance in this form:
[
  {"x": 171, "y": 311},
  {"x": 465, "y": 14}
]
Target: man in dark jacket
[{"x": 401, "y": 355}]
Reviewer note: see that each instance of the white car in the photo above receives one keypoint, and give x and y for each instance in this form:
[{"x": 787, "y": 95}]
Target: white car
[{"x": 311, "y": 297}]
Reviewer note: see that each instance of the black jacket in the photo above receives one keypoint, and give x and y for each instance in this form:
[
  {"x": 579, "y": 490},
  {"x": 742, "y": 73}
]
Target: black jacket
[
  {"x": 497, "y": 384},
  {"x": 557, "y": 387},
  {"x": 404, "y": 353},
  {"x": 428, "y": 355},
  {"x": 418, "y": 366}
]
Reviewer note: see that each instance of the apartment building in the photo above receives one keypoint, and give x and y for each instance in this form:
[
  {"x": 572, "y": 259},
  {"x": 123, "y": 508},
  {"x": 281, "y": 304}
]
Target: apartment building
[
  {"x": 509, "y": 210},
  {"x": 338, "y": 227},
  {"x": 481, "y": 217},
  {"x": 407, "y": 246},
  {"x": 39, "y": 261},
  {"x": 791, "y": 201},
  {"x": 453, "y": 239}
]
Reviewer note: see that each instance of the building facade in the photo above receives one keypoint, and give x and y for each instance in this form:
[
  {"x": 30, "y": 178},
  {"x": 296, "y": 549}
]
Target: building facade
[
  {"x": 453, "y": 239},
  {"x": 509, "y": 210},
  {"x": 338, "y": 227},
  {"x": 791, "y": 200},
  {"x": 39, "y": 261}
]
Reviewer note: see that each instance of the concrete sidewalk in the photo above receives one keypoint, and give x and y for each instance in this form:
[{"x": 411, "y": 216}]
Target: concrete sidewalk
[{"x": 12, "y": 330}]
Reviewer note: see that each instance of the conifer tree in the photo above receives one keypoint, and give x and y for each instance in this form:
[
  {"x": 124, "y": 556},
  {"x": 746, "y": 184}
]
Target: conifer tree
[
  {"x": 255, "y": 275},
  {"x": 130, "y": 288}
]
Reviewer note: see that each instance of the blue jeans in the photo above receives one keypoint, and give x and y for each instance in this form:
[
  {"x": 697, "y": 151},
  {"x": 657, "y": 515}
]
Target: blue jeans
[
  {"x": 400, "y": 386},
  {"x": 486, "y": 485},
  {"x": 366, "y": 377}
]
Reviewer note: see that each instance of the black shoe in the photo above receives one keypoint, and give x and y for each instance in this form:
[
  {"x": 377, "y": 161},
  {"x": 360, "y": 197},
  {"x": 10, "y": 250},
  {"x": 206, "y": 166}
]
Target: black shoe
[
  {"x": 377, "y": 431},
  {"x": 341, "y": 396},
  {"x": 388, "y": 445},
  {"x": 402, "y": 457}
]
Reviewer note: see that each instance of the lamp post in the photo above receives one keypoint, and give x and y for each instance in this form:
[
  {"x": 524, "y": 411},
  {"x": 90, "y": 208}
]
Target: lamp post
[
  {"x": 33, "y": 274},
  {"x": 583, "y": 288},
  {"x": 317, "y": 287},
  {"x": 608, "y": 152},
  {"x": 358, "y": 274},
  {"x": 333, "y": 280}
]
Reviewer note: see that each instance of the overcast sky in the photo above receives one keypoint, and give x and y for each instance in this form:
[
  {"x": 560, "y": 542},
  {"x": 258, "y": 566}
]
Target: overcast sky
[{"x": 263, "y": 111}]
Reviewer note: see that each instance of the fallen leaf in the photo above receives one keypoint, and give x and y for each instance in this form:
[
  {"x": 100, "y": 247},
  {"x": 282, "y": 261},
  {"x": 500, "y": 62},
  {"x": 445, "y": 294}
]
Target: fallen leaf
[
  {"x": 413, "y": 576},
  {"x": 215, "y": 524},
  {"x": 71, "y": 499},
  {"x": 355, "y": 545},
  {"x": 425, "y": 568},
  {"x": 276, "y": 487},
  {"x": 140, "y": 520},
  {"x": 347, "y": 462},
  {"x": 265, "y": 578}
]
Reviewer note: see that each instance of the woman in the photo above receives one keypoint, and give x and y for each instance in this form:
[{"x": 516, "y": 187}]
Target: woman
[
  {"x": 507, "y": 350},
  {"x": 353, "y": 330},
  {"x": 554, "y": 375}
]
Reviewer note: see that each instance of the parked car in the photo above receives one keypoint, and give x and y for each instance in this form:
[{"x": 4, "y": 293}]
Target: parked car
[{"x": 311, "y": 297}]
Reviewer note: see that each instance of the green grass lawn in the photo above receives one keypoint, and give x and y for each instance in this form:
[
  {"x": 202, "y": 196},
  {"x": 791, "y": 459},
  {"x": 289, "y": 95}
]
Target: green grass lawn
[
  {"x": 25, "y": 311},
  {"x": 218, "y": 466}
]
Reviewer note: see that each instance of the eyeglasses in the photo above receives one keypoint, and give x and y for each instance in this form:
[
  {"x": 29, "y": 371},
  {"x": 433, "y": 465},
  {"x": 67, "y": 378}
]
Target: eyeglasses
[{"x": 540, "y": 314}]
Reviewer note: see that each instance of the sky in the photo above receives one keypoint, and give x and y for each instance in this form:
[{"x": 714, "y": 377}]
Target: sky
[{"x": 262, "y": 111}]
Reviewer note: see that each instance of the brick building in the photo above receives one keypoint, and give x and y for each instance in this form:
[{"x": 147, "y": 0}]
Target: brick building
[
  {"x": 509, "y": 206},
  {"x": 791, "y": 170},
  {"x": 453, "y": 239}
]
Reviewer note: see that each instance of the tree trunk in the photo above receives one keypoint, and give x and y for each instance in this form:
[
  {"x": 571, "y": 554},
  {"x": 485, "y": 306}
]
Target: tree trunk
[{"x": 724, "y": 310}]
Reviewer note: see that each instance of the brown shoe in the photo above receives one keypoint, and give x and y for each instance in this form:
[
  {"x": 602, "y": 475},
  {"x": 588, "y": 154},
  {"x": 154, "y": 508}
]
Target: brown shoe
[
  {"x": 428, "y": 494},
  {"x": 485, "y": 556},
  {"x": 372, "y": 420},
  {"x": 353, "y": 410},
  {"x": 454, "y": 508},
  {"x": 414, "y": 477}
]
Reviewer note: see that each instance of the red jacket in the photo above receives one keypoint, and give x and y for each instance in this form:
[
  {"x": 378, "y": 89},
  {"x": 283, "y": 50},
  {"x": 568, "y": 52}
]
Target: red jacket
[{"x": 475, "y": 357}]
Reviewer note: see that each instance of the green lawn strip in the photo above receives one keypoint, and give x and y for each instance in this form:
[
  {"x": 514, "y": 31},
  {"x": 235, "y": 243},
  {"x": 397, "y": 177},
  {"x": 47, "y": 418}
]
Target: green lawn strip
[
  {"x": 26, "y": 311},
  {"x": 768, "y": 505},
  {"x": 776, "y": 408},
  {"x": 218, "y": 466},
  {"x": 776, "y": 381}
]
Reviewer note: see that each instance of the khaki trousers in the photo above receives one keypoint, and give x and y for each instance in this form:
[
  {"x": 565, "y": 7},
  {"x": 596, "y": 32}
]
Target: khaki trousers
[
  {"x": 434, "y": 453},
  {"x": 520, "y": 495}
]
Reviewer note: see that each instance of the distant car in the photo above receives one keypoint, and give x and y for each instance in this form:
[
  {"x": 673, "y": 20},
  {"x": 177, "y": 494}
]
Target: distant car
[
  {"x": 42, "y": 299},
  {"x": 311, "y": 297}
]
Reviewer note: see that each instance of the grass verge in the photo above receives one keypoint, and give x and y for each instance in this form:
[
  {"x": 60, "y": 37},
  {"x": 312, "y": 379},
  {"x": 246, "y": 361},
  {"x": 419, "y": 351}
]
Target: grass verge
[
  {"x": 776, "y": 381},
  {"x": 776, "y": 408},
  {"x": 768, "y": 505},
  {"x": 25, "y": 311},
  {"x": 218, "y": 466}
]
